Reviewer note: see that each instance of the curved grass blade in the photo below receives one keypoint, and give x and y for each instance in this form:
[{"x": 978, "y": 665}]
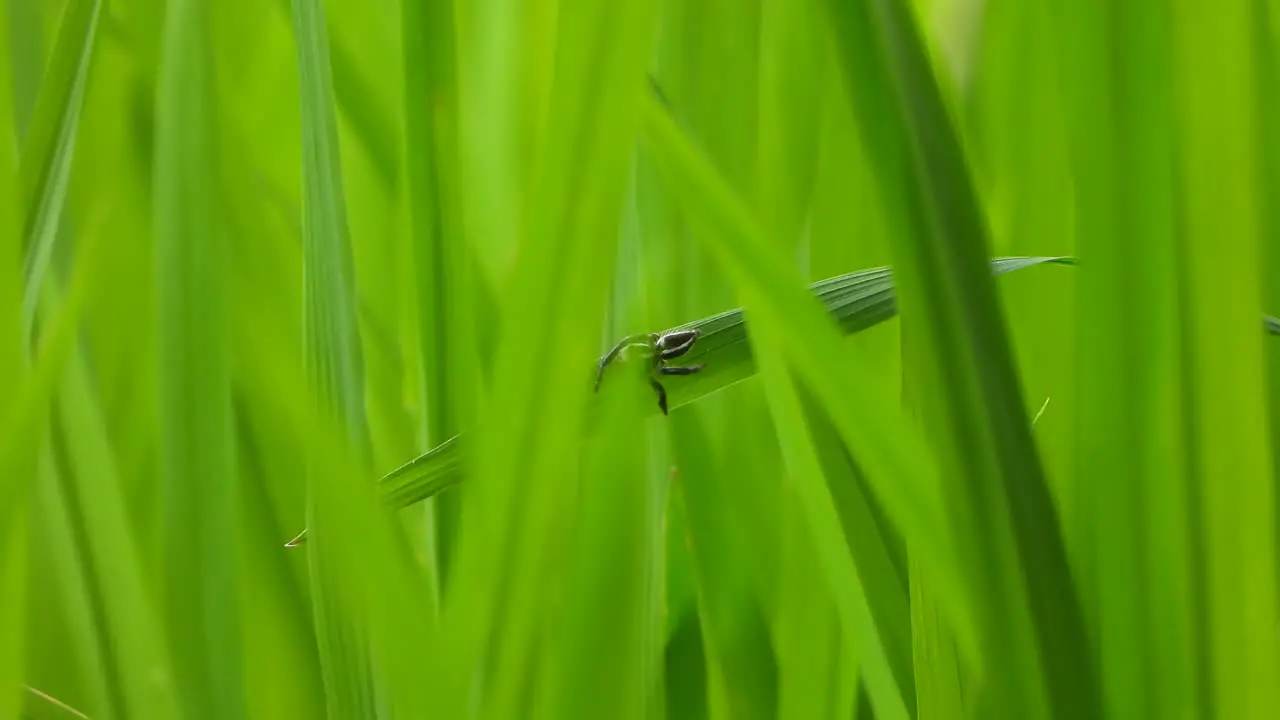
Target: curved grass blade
[{"x": 856, "y": 301}]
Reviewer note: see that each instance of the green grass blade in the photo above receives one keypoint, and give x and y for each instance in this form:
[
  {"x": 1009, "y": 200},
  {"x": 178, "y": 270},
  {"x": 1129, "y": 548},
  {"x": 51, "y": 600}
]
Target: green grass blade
[
  {"x": 1005, "y": 506},
  {"x": 1218, "y": 137},
  {"x": 50, "y": 143},
  {"x": 823, "y": 521},
  {"x": 13, "y": 538},
  {"x": 197, "y": 457},
  {"x": 1131, "y": 483},
  {"x": 444, "y": 278},
  {"x": 939, "y": 688},
  {"x": 723, "y": 536},
  {"x": 139, "y": 674},
  {"x": 605, "y": 612},
  {"x": 333, "y": 358},
  {"x": 364, "y": 589},
  {"x": 875, "y": 546},
  {"x": 63, "y": 573}
]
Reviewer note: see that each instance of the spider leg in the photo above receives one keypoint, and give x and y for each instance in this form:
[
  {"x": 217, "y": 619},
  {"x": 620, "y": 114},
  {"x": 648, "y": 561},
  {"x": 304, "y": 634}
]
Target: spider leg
[
  {"x": 623, "y": 344},
  {"x": 680, "y": 369},
  {"x": 662, "y": 394}
]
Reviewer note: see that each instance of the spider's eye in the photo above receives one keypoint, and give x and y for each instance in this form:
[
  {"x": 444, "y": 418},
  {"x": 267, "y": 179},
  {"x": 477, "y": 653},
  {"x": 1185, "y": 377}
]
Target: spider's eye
[{"x": 675, "y": 344}]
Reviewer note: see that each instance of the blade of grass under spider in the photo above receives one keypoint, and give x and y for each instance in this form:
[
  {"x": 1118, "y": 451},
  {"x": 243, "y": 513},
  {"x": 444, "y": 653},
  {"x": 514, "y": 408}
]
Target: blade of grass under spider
[
  {"x": 856, "y": 301},
  {"x": 1005, "y": 507},
  {"x": 13, "y": 536},
  {"x": 899, "y": 466},
  {"x": 1220, "y": 202},
  {"x": 201, "y": 522},
  {"x": 1131, "y": 483}
]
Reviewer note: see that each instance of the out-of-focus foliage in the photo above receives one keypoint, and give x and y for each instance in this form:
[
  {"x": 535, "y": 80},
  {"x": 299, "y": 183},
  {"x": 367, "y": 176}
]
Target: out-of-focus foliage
[{"x": 255, "y": 255}]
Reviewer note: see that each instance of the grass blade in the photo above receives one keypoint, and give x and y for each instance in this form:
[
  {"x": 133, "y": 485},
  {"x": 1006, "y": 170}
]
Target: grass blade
[
  {"x": 201, "y": 502},
  {"x": 50, "y": 143},
  {"x": 129, "y": 642},
  {"x": 333, "y": 364},
  {"x": 741, "y": 677},
  {"x": 13, "y": 536},
  {"x": 810, "y": 485},
  {"x": 1227, "y": 424},
  {"x": 1005, "y": 506},
  {"x": 444, "y": 278},
  {"x": 362, "y": 583},
  {"x": 1131, "y": 483}
]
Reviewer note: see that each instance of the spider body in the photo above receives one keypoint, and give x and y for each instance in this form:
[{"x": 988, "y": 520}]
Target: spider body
[{"x": 661, "y": 349}]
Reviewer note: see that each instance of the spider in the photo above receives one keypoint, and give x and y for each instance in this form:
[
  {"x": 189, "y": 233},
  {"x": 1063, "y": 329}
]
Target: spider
[{"x": 662, "y": 348}]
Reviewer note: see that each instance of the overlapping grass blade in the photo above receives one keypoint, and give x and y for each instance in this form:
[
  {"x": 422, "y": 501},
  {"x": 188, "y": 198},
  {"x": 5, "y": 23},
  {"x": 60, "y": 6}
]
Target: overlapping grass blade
[
  {"x": 197, "y": 453},
  {"x": 1005, "y": 506},
  {"x": 1217, "y": 135}
]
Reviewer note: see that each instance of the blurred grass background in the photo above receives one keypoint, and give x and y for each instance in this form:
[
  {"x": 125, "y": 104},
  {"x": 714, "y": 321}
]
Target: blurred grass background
[{"x": 254, "y": 255}]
